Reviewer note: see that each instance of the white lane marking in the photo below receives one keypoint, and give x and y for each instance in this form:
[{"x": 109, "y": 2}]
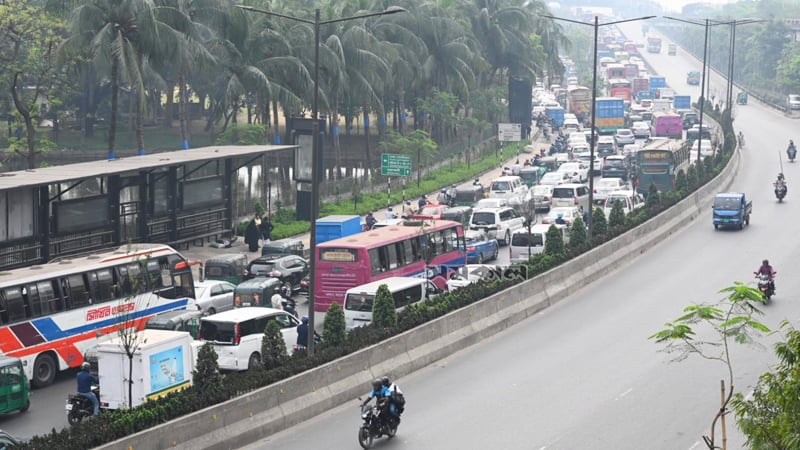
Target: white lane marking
[{"x": 624, "y": 394}]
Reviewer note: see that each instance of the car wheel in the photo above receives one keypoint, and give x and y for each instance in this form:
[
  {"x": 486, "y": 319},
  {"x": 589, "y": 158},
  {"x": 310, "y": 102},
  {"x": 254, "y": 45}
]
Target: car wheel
[
  {"x": 496, "y": 252},
  {"x": 44, "y": 370},
  {"x": 254, "y": 362},
  {"x": 507, "y": 238},
  {"x": 480, "y": 258},
  {"x": 211, "y": 311}
]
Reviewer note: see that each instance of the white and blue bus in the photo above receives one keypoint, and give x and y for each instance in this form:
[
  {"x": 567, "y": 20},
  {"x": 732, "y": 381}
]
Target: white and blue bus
[{"x": 50, "y": 314}]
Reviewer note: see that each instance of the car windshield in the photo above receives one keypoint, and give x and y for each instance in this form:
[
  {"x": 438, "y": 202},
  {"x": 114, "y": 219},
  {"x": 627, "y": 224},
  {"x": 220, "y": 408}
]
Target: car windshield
[
  {"x": 500, "y": 186},
  {"x": 483, "y": 218},
  {"x": 429, "y": 211},
  {"x": 613, "y": 162},
  {"x": 262, "y": 268},
  {"x": 607, "y": 182},
  {"x": 726, "y": 203},
  {"x": 623, "y": 132},
  {"x": 541, "y": 190},
  {"x": 553, "y": 176},
  {"x": 359, "y": 302},
  {"x": 525, "y": 240},
  {"x": 614, "y": 198}
]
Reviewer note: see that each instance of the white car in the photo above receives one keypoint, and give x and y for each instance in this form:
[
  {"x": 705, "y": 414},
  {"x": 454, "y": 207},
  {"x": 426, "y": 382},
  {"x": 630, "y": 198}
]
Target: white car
[
  {"x": 640, "y": 129},
  {"x": 630, "y": 200},
  {"x": 213, "y": 296},
  {"x": 490, "y": 203},
  {"x": 579, "y": 173},
  {"x": 498, "y": 223},
  {"x": 473, "y": 273},
  {"x": 624, "y": 136},
  {"x": 605, "y": 186},
  {"x": 576, "y": 139},
  {"x": 705, "y": 148},
  {"x": 587, "y": 157},
  {"x": 555, "y": 178},
  {"x": 542, "y": 196},
  {"x": 579, "y": 149},
  {"x": 568, "y": 213}
]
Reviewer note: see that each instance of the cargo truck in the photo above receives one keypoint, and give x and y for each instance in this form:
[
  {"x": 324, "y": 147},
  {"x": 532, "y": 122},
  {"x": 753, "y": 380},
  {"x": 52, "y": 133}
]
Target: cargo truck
[
  {"x": 335, "y": 227},
  {"x": 162, "y": 363},
  {"x": 609, "y": 114}
]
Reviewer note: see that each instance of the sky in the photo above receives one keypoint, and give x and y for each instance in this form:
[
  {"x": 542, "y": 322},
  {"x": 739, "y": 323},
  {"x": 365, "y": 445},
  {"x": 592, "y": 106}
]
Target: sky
[{"x": 676, "y": 5}]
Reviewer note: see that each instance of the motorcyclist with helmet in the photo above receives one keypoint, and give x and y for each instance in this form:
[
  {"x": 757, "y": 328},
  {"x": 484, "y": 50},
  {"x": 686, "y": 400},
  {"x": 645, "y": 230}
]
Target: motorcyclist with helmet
[
  {"x": 443, "y": 198},
  {"x": 397, "y": 400},
  {"x": 780, "y": 184},
  {"x": 767, "y": 270},
  {"x": 85, "y": 381},
  {"x": 381, "y": 394}
]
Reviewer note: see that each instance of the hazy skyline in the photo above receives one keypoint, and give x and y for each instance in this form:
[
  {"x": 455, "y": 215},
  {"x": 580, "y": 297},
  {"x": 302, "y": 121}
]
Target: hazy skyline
[{"x": 677, "y": 5}]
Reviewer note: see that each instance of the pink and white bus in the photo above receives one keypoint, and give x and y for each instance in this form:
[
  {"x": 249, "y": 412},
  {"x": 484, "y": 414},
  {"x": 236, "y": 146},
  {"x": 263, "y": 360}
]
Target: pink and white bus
[
  {"x": 50, "y": 314},
  {"x": 666, "y": 124},
  {"x": 409, "y": 249}
]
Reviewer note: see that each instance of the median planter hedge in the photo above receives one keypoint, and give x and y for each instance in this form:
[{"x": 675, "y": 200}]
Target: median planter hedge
[{"x": 117, "y": 424}]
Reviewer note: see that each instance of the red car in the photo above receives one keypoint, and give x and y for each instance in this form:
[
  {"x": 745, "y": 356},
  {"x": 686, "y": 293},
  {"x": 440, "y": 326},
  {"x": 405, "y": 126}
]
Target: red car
[{"x": 433, "y": 212}]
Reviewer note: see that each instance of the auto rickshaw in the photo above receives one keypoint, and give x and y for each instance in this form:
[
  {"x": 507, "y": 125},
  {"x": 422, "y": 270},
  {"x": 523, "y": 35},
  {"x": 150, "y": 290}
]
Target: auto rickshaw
[
  {"x": 226, "y": 267},
  {"x": 14, "y": 394},
  {"x": 741, "y": 98}
]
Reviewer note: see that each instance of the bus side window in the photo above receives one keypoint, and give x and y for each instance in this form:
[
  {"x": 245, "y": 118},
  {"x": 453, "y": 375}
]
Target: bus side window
[
  {"x": 101, "y": 284},
  {"x": 408, "y": 251},
  {"x": 415, "y": 248},
  {"x": 48, "y": 298},
  {"x": 374, "y": 261},
  {"x": 398, "y": 248},
  {"x": 391, "y": 256},
  {"x": 76, "y": 292},
  {"x": 14, "y": 305},
  {"x": 31, "y": 293}
]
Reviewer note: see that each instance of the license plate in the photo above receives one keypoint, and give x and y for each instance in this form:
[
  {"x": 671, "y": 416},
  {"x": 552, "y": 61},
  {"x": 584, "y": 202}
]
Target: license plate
[
  {"x": 68, "y": 406},
  {"x": 727, "y": 220}
]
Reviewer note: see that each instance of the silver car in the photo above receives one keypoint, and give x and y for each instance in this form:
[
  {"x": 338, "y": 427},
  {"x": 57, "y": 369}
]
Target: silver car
[{"x": 213, "y": 296}]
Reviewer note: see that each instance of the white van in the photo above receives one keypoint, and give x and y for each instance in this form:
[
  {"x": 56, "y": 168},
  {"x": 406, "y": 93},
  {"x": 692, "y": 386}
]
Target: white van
[
  {"x": 237, "y": 334},
  {"x": 405, "y": 290},
  {"x": 571, "y": 125},
  {"x": 570, "y": 194},
  {"x": 524, "y": 244}
]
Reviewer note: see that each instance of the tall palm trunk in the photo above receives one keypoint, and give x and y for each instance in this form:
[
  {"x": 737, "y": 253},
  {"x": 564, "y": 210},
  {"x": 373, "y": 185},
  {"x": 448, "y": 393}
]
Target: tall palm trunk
[
  {"x": 366, "y": 134},
  {"x": 401, "y": 109},
  {"x": 168, "y": 116},
  {"x": 140, "y": 123},
  {"x": 112, "y": 127},
  {"x": 337, "y": 145},
  {"x": 182, "y": 118}
]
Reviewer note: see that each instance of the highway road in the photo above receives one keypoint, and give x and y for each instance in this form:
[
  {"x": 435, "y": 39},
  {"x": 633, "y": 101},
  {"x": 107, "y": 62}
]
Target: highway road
[{"x": 583, "y": 374}]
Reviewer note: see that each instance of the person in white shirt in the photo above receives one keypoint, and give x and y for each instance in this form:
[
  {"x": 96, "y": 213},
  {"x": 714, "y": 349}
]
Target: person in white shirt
[
  {"x": 389, "y": 213},
  {"x": 277, "y": 300}
]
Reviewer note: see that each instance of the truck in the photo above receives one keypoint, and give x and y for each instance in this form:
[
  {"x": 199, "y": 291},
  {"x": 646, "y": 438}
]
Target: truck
[
  {"x": 682, "y": 102},
  {"x": 665, "y": 92},
  {"x": 640, "y": 84},
  {"x": 163, "y": 362},
  {"x": 653, "y": 44},
  {"x": 661, "y": 105},
  {"x": 731, "y": 209},
  {"x": 556, "y": 114},
  {"x": 658, "y": 82},
  {"x": 337, "y": 226},
  {"x": 609, "y": 114},
  {"x": 693, "y": 77}
]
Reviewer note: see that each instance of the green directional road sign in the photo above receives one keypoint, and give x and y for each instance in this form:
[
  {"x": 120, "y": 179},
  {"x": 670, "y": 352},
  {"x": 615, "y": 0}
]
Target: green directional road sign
[{"x": 394, "y": 165}]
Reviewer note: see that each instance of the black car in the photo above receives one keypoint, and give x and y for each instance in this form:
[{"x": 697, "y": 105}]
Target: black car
[{"x": 289, "y": 269}]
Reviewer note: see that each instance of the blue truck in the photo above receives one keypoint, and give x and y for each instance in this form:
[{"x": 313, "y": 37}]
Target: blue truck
[
  {"x": 556, "y": 114},
  {"x": 731, "y": 209},
  {"x": 335, "y": 227}
]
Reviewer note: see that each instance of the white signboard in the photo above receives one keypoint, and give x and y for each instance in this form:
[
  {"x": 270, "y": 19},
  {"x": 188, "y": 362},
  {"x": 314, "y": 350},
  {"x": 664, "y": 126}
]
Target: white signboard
[{"x": 508, "y": 132}]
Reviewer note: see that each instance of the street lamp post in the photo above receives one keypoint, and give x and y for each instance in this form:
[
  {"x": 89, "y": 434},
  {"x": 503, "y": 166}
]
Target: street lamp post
[
  {"x": 729, "y": 98},
  {"x": 596, "y": 26},
  {"x": 706, "y": 23},
  {"x": 316, "y": 23}
]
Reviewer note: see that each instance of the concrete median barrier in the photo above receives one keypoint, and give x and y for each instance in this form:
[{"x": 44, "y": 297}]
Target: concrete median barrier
[{"x": 263, "y": 412}]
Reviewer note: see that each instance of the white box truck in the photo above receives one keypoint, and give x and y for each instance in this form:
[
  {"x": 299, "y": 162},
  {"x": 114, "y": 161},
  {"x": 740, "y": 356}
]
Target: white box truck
[{"x": 162, "y": 363}]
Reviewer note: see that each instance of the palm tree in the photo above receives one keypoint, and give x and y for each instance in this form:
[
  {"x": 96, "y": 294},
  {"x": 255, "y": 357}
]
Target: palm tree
[{"x": 117, "y": 35}]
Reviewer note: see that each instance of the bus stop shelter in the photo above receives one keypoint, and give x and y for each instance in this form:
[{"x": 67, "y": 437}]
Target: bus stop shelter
[{"x": 175, "y": 198}]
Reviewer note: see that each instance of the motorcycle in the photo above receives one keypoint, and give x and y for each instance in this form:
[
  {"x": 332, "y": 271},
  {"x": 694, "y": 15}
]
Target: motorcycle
[
  {"x": 792, "y": 153},
  {"x": 780, "y": 191},
  {"x": 376, "y": 423},
  {"x": 78, "y": 406},
  {"x": 289, "y": 306},
  {"x": 766, "y": 285}
]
